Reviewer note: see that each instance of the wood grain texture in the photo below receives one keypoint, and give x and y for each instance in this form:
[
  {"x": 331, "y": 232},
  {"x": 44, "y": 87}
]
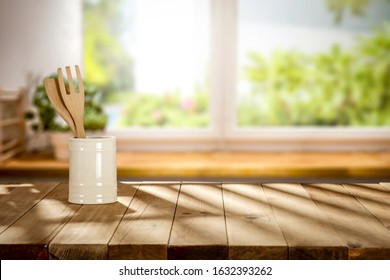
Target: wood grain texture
[
  {"x": 198, "y": 220},
  {"x": 87, "y": 234},
  {"x": 28, "y": 237},
  {"x": 5, "y": 188},
  {"x": 364, "y": 235},
  {"x": 377, "y": 225},
  {"x": 198, "y": 230},
  {"x": 145, "y": 228},
  {"x": 252, "y": 229},
  {"x": 386, "y": 185},
  {"x": 20, "y": 199},
  {"x": 304, "y": 225},
  {"x": 375, "y": 198}
]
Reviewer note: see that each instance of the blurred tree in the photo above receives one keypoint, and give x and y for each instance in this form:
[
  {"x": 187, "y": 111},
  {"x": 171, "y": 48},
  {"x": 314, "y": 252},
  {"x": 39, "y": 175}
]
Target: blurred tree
[
  {"x": 347, "y": 88},
  {"x": 107, "y": 64},
  {"x": 338, "y": 7}
]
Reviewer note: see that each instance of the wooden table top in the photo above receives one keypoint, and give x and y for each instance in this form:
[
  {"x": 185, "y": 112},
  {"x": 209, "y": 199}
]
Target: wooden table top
[{"x": 193, "y": 220}]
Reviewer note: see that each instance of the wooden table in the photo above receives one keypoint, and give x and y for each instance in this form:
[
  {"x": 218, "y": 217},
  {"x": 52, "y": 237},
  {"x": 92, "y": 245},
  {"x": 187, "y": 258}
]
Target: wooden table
[{"x": 192, "y": 220}]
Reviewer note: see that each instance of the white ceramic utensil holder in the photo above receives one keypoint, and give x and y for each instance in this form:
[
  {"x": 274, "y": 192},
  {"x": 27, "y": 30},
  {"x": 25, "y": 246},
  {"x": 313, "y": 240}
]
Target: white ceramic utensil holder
[{"x": 92, "y": 170}]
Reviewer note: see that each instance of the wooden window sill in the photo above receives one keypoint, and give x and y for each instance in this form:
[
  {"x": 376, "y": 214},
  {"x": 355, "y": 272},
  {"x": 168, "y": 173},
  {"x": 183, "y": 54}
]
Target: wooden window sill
[{"x": 152, "y": 165}]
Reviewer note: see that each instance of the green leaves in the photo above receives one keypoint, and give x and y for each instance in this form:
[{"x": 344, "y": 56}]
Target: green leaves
[
  {"x": 338, "y": 87},
  {"x": 338, "y": 7},
  {"x": 168, "y": 110},
  {"x": 107, "y": 64}
]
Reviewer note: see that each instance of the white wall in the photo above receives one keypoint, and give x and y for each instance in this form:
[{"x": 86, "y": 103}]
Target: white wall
[{"x": 37, "y": 37}]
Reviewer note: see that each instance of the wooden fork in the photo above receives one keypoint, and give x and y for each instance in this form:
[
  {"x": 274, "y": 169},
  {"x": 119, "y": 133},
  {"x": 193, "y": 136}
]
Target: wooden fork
[
  {"x": 74, "y": 102},
  {"x": 53, "y": 92}
]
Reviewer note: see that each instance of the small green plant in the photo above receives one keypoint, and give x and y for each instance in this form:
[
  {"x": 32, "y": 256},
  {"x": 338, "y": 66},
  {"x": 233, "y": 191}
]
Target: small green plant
[{"x": 45, "y": 117}]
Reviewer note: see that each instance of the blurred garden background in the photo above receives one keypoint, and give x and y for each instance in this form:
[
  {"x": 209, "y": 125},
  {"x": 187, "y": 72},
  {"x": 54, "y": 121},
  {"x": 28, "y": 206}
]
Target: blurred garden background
[{"x": 299, "y": 63}]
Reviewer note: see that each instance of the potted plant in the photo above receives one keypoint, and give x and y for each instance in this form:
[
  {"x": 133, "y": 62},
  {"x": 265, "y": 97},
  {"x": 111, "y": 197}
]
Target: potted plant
[{"x": 45, "y": 118}]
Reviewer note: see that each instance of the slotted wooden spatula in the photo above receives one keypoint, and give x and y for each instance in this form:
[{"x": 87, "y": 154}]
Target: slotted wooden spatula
[
  {"x": 53, "y": 92},
  {"x": 74, "y": 101}
]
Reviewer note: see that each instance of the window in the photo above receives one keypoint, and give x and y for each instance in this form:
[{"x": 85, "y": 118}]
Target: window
[
  {"x": 152, "y": 58},
  {"x": 301, "y": 67},
  {"x": 242, "y": 74}
]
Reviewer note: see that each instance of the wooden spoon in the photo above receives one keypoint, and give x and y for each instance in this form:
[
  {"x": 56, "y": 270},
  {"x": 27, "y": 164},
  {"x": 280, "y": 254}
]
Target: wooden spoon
[{"x": 53, "y": 92}]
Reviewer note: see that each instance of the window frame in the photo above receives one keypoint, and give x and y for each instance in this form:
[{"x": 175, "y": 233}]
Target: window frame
[{"x": 223, "y": 134}]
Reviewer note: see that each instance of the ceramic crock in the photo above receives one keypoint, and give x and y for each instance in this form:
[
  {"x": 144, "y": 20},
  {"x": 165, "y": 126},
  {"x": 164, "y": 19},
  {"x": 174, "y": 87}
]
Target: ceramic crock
[{"x": 92, "y": 170}]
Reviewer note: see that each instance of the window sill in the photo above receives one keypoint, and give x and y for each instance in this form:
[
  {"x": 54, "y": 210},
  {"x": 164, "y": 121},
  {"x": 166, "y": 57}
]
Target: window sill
[{"x": 219, "y": 165}]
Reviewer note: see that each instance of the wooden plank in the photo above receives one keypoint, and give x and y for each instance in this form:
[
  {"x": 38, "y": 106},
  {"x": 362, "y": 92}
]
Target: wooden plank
[
  {"x": 386, "y": 185},
  {"x": 365, "y": 236},
  {"x": 375, "y": 198},
  {"x": 144, "y": 230},
  {"x": 5, "y": 188},
  {"x": 87, "y": 234},
  {"x": 198, "y": 230},
  {"x": 20, "y": 199},
  {"x": 252, "y": 229},
  {"x": 366, "y": 189},
  {"x": 304, "y": 225},
  {"x": 28, "y": 238}
]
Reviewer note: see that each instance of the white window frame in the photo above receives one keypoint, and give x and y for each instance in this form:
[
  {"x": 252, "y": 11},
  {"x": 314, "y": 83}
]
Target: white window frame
[{"x": 223, "y": 134}]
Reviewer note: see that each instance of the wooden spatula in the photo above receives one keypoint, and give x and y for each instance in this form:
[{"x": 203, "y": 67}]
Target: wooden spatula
[
  {"x": 53, "y": 92},
  {"x": 74, "y": 101}
]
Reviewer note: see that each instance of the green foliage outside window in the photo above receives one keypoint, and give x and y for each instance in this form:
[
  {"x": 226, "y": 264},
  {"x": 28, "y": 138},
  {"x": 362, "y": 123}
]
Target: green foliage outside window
[
  {"x": 107, "y": 64},
  {"x": 166, "y": 110},
  {"x": 339, "y": 7},
  {"x": 335, "y": 88}
]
